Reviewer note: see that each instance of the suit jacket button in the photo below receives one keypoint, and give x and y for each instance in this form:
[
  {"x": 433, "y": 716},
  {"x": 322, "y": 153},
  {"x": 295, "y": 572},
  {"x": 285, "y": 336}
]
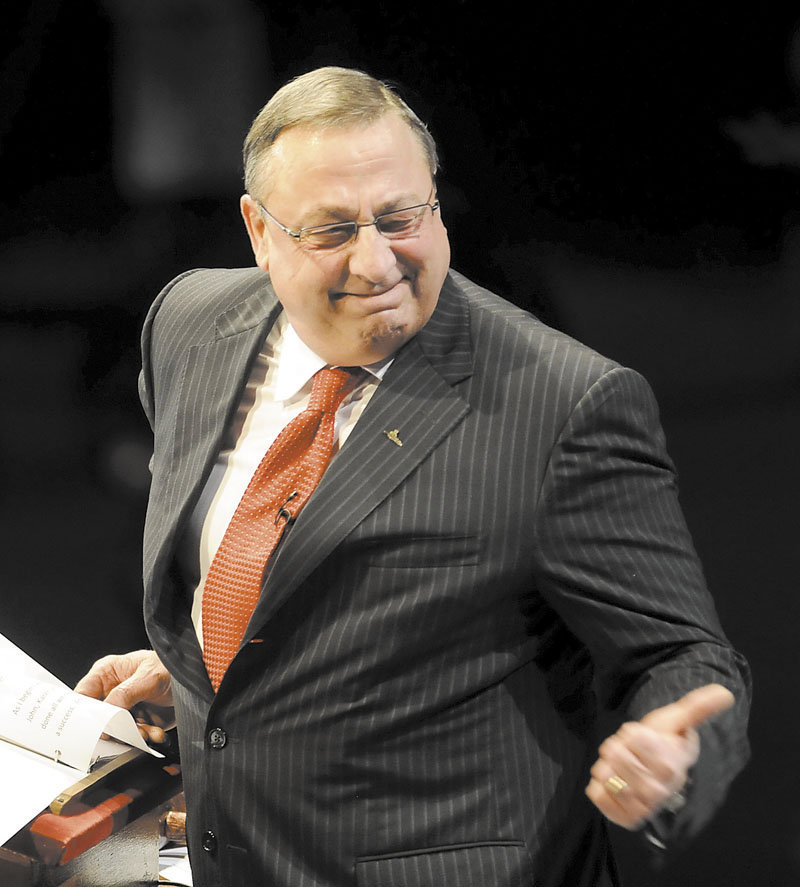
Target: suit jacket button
[
  {"x": 209, "y": 842},
  {"x": 217, "y": 738}
]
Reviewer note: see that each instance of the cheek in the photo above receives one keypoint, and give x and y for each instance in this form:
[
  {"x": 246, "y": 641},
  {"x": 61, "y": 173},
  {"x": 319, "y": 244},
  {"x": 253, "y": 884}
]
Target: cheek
[
  {"x": 303, "y": 279},
  {"x": 430, "y": 253},
  {"x": 432, "y": 263},
  {"x": 322, "y": 273}
]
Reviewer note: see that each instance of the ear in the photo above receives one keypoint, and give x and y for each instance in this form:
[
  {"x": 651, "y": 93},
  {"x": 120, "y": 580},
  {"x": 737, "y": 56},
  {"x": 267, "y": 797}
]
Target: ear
[{"x": 256, "y": 226}]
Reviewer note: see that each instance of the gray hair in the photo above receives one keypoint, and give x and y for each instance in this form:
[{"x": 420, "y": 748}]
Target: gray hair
[{"x": 325, "y": 98}]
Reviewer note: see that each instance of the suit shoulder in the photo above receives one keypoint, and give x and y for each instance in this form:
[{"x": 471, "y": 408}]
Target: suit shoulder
[
  {"x": 505, "y": 335},
  {"x": 187, "y": 310},
  {"x": 198, "y": 306},
  {"x": 542, "y": 372},
  {"x": 198, "y": 296}
]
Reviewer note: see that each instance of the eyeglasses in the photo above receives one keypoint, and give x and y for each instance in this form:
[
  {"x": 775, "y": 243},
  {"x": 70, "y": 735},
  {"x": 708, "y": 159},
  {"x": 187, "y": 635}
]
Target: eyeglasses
[{"x": 393, "y": 225}]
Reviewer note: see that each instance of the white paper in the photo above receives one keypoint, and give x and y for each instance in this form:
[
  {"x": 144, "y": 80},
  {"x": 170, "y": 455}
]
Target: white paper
[
  {"x": 173, "y": 865},
  {"x": 30, "y": 782},
  {"x": 58, "y": 723},
  {"x": 50, "y": 737}
]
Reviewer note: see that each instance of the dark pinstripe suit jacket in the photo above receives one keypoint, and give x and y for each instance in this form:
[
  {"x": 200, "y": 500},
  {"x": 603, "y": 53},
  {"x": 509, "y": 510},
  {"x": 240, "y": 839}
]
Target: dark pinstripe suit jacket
[{"x": 416, "y": 699}]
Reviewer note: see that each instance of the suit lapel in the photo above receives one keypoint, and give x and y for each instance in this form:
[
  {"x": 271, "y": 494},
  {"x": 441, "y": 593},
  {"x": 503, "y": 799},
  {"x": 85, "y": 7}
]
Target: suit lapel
[
  {"x": 416, "y": 400},
  {"x": 213, "y": 376}
]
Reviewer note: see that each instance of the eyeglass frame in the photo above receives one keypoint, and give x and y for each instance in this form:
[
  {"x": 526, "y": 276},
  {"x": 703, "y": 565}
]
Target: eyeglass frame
[{"x": 299, "y": 235}]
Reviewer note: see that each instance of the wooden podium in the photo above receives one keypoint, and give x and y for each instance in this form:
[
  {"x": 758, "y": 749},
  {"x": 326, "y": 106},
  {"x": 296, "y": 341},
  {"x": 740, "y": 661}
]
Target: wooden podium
[{"x": 104, "y": 832}]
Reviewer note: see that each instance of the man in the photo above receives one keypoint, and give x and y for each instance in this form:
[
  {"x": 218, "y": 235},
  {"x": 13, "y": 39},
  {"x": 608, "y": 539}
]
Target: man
[{"x": 493, "y": 559}]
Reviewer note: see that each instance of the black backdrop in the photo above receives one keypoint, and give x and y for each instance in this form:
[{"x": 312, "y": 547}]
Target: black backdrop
[{"x": 629, "y": 173}]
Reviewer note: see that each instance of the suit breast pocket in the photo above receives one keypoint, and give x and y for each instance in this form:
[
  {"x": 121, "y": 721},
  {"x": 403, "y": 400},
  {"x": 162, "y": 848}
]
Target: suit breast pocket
[
  {"x": 424, "y": 551},
  {"x": 490, "y": 864}
]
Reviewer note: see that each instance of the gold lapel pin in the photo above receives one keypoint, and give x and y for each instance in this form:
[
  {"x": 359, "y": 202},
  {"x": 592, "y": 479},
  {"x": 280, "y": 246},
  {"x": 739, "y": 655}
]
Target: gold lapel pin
[{"x": 394, "y": 437}]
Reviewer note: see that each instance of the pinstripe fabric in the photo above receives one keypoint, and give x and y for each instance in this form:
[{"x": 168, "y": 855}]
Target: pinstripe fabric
[{"x": 415, "y": 701}]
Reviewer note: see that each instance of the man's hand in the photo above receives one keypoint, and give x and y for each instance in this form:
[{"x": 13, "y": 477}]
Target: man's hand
[
  {"x": 645, "y": 763},
  {"x": 136, "y": 681}
]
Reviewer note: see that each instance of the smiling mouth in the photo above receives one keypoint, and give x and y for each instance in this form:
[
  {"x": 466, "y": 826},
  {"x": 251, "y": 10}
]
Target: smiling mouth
[{"x": 391, "y": 296}]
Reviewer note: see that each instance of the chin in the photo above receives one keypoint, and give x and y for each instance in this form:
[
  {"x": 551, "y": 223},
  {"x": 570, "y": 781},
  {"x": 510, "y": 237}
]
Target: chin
[{"x": 384, "y": 338}]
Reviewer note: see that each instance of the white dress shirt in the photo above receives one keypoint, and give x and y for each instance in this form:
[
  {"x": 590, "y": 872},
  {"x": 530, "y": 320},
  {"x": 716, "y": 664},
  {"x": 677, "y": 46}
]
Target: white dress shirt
[{"x": 277, "y": 391}]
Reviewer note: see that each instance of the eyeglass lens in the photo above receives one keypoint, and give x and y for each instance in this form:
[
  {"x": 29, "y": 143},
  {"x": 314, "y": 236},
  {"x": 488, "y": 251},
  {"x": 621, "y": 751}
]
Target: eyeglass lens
[{"x": 395, "y": 224}]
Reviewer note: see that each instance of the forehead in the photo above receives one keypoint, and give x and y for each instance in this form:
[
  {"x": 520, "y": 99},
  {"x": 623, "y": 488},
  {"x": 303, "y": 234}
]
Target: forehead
[{"x": 308, "y": 161}]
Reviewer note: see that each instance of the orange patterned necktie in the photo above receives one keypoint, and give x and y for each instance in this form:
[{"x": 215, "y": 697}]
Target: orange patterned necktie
[{"x": 279, "y": 488}]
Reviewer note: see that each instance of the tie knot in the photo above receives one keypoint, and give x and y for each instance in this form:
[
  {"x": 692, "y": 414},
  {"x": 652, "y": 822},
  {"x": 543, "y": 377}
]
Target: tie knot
[{"x": 329, "y": 390}]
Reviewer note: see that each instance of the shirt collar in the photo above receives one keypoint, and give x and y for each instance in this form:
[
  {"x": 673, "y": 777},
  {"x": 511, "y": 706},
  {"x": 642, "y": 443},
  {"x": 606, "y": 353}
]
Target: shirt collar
[{"x": 296, "y": 363}]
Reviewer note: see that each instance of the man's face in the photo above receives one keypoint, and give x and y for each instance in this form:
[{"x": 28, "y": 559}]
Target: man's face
[{"x": 358, "y": 303}]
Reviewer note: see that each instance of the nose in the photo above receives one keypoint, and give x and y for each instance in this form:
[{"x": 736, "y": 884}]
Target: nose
[{"x": 371, "y": 256}]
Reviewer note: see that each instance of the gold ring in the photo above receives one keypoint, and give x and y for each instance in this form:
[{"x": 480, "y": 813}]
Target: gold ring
[{"x": 616, "y": 785}]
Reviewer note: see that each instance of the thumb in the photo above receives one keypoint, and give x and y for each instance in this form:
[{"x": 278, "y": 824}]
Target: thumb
[
  {"x": 129, "y": 692},
  {"x": 690, "y": 710},
  {"x": 90, "y": 685}
]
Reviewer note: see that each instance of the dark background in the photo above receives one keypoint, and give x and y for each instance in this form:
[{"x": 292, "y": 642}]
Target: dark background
[{"x": 631, "y": 174}]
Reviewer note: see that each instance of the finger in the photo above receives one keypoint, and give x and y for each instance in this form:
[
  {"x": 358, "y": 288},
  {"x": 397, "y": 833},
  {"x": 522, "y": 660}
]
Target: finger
[
  {"x": 690, "y": 710},
  {"x": 649, "y": 786},
  {"x": 101, "y": 677},
  {"x": 617, "y": 759},
  {"x": 129, "y": 693},
  {"x": 151, "y": 734},
  {"x": 666, "y": 756},
  {"x": 622, "y": 809}
]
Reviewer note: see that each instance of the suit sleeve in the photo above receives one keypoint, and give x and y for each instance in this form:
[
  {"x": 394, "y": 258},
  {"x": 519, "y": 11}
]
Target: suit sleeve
[{"x": 617, "y": 563}]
